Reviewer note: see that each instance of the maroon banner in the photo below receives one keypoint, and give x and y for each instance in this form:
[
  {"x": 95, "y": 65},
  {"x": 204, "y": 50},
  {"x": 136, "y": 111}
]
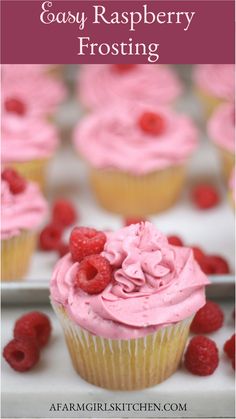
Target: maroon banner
[{"x": 184, "y": 32}]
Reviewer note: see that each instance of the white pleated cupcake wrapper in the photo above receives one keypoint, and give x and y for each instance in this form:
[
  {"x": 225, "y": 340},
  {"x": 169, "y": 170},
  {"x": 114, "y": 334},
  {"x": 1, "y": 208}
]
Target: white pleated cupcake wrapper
[
  {"x": 125, "y": 364},
  {"x": 17, "y": 255}
]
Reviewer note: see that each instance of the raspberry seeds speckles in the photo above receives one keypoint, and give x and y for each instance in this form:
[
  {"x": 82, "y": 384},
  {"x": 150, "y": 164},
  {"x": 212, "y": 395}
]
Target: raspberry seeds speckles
[
  {"x": 151, "y": 123},
  {"x": 35, "y": 325},
  {"x": 15, "y": 105},
  {"x": 16, "y": 182},
  {"x": 201, "y": 357},
  {"x": 94, "y": 274},
  {"x": 208, "y": 319},
  {"x": 63, "y": 213},
  {"x": 50, "y": 237},
  {"x": 86, "y": 241},
  {"x": 21, "y": 354}
]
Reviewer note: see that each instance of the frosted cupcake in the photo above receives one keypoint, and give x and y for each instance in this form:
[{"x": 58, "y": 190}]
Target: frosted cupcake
[
  {"x": 137, "y": 156},
  {"x": 28, "y": 70},
  {"x": 104, "y": 84},
  {"x": 28, "y": 143},
  {"x": 215, "y": 84},
  {"x": 23, "y": 209},
  {"x": 221, "y": 130},
  {"x": 126, "y": 312},
  {"x": 40, "y": 93},
  {"x": 232, "y": 188}
]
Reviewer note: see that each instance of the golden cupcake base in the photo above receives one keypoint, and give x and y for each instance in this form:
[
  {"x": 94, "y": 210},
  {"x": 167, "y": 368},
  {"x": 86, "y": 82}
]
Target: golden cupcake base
[
  {"x": 124, "y": 364},
  {"x": 139, "y": 196},
  {"x": 16, "y": 254},
  {"x": 209, "y": 103},
  {"x": 227, "y": 163}
]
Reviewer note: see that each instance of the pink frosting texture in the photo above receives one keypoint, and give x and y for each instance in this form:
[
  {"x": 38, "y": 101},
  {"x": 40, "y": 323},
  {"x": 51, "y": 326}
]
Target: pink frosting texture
[
  {"x": 102, "y": 84},
  {"x": 216, "y": 79},
  {"x": 154, "y": 284},
  {"x": 113, "y": 139},
  {"x": 23, "y": 211},
  {"x": 25, "y": 138},
  {"x": 40, "y": 93},
  {"x": 221, "y": 127}
]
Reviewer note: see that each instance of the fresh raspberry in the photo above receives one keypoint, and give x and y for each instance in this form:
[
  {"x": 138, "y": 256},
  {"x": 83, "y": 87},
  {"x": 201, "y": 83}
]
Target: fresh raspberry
[
  {"x": 85, "y": 241},
  {"x": 63, "y": 249},
  {"x": 16, "y": 182},
  {"x": 208, "y": 319},
  {"x": 21, "y": 354},
  {"x": 152, "y": 123},
  {"x": 229, "y": 347},
  {"x": 206, "y": 266},
  {"x": 133, "y": 220},
  {"x": 198, "y": 253},
  {"x": 201, "y": 357},
  {"x": 123, "y": 68},
  {"x": 205, "y": 196},
  {"x": 50, "y": 237},
  {"x": 15, "y": 106},
  {"x": 34, "y": 325},
  {"x": 94, "y": 274},
  {"x": 217, "y": 264},
  {"x": 175, "y": 241},
  {"x": 63, "y": 213}
]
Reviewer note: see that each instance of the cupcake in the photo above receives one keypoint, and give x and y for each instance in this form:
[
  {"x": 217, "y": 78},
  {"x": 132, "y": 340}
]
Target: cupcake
[
  {"x": 40, "y": 93},
  {"x": 28, "y": 142},
  {"x": 232, "y": 188},
  {"x": 126, "y": 312},
  {"x": 28, "y": 70},
  {"x": 221, "y": 130},
  {"x": 214, "y": 84},
  {"x": 137, "y": 156},
  {"x": 23, "y": 209},
  {"x": 103, "y": 84}
]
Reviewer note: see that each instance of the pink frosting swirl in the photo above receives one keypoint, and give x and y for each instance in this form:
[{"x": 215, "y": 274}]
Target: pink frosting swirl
[
  {"x": 221, "y": 126},
  {"x": 154, "y": 284},
  {"x": 216, "y": 79},
  {"x": 25, "y": 138},
  {"x": 113, "y": 139},
  {"x": 40, "y": 93},
  {"x": 102, "y": 84},
  {"x": 23, "y": 211}
]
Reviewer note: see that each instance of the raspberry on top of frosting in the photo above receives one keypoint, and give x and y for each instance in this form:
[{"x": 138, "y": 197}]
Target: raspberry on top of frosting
[
  {"x": 104, "y": 84},
  {"x": 21, "y": 211},
  {"x": 221, "y": 126},
  {"x": 154, "y": 284},
  {"x": 130, "y": 139},
  {"x": 216, "y": 79}
]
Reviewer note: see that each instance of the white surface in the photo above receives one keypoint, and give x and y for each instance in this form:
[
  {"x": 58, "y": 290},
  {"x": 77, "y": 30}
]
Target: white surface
[{"x": 53, "y": 380}]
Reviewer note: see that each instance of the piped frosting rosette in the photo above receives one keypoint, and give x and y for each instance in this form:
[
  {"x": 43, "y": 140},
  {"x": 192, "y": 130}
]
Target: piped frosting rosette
[{"x": 154, "y": 285}]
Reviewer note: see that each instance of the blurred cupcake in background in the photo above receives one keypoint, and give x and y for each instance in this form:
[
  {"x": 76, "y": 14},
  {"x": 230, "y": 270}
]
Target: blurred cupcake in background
[
  {"x": 23, "y": 209},
  {"x": 232, "y": 194},
  {"x": 28, "y": 142},
  {"x": 104, "y": 84},
  {"x": 40, "y": 93},
  {"x": 221, "y": 130},
  {"x": 11, "y": 70},
  {"x": 215, "y": 83},
  {"x": 137, "y": 156}
]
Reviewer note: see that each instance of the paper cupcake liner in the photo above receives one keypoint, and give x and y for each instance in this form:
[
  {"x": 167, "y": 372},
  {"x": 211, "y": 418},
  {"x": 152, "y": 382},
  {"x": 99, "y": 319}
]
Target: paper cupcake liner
[
  {"x": 124, "y": 364},
  {"x": 130, "y": 195},
  {"x": 209, "y": 102},
  {"x": 16, "y": 254},
  {"x": 34, "y": 170},
  {"x": 227, "y": 163}
]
